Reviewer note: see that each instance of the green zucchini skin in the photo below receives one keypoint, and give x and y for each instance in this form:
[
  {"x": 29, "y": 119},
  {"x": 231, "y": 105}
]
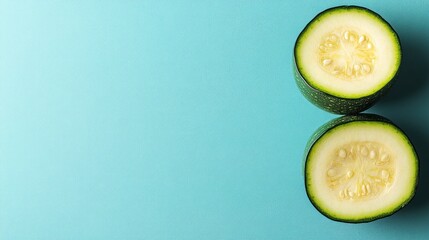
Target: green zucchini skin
[
  {"x": 335, "y": 104},
  {"x": 332, "y": 125}
]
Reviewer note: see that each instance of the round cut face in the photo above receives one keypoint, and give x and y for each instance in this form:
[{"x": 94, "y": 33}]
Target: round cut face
[
  {"x": 347, "y": 54},
  {"x": 360, "y": 171}
]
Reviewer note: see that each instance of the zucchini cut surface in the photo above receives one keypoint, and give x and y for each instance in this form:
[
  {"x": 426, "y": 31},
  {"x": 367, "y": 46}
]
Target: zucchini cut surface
[
  {"x": 348, "y": 52},
  {"x": 360, "y": 169}
]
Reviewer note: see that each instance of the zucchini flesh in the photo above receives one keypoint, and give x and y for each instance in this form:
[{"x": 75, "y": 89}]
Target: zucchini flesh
[
  {"x": 346, "y": 58},
  {"x": 360, "y": 168}
]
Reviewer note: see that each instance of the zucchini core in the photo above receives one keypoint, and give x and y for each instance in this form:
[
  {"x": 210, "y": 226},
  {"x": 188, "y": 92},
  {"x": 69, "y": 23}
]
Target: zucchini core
[
  {"x": 347, "y": 54},
  {"x": 360, "y": 170}
]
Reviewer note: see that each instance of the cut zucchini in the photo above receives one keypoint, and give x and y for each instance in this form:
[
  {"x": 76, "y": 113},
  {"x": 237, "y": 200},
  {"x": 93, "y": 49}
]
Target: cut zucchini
[
  {"x": 346, "y": 58},
  {"x": 360, "y": 168}
]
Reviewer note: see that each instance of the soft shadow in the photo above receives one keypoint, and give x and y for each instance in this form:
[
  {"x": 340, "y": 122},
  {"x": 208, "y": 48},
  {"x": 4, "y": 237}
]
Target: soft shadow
[
  {"x": 419, "y": 137},
  {"x": 403, "y": 106},
  {"x": 413, "y": 73}
]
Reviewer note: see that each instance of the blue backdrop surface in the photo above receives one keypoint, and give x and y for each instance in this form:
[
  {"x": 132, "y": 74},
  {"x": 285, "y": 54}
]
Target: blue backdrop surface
[{"x": 178, "y": 120}]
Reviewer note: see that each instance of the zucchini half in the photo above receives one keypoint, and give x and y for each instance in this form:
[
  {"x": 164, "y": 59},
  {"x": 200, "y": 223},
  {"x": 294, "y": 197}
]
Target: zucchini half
[
  {"x": 346, "y": 58},
  {"x": 360, "y": 168}
]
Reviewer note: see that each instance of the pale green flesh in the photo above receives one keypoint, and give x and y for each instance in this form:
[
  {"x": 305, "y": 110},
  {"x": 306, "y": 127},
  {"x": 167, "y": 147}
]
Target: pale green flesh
[
  {"x": 311, "y": 63},
  {"x": 370, "y": 200}
]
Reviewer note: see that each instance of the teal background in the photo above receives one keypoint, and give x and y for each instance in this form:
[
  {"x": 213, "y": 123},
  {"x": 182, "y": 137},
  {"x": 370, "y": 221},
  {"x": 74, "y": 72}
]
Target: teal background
[{"x": 178, "y": 120}]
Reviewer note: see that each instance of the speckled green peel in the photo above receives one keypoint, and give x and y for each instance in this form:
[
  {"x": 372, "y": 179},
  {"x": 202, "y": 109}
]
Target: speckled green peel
[
  {"x": 326, "y": 87},
  {"x": 311, "y": 160},
  {"x": 335, "y": 104}
]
